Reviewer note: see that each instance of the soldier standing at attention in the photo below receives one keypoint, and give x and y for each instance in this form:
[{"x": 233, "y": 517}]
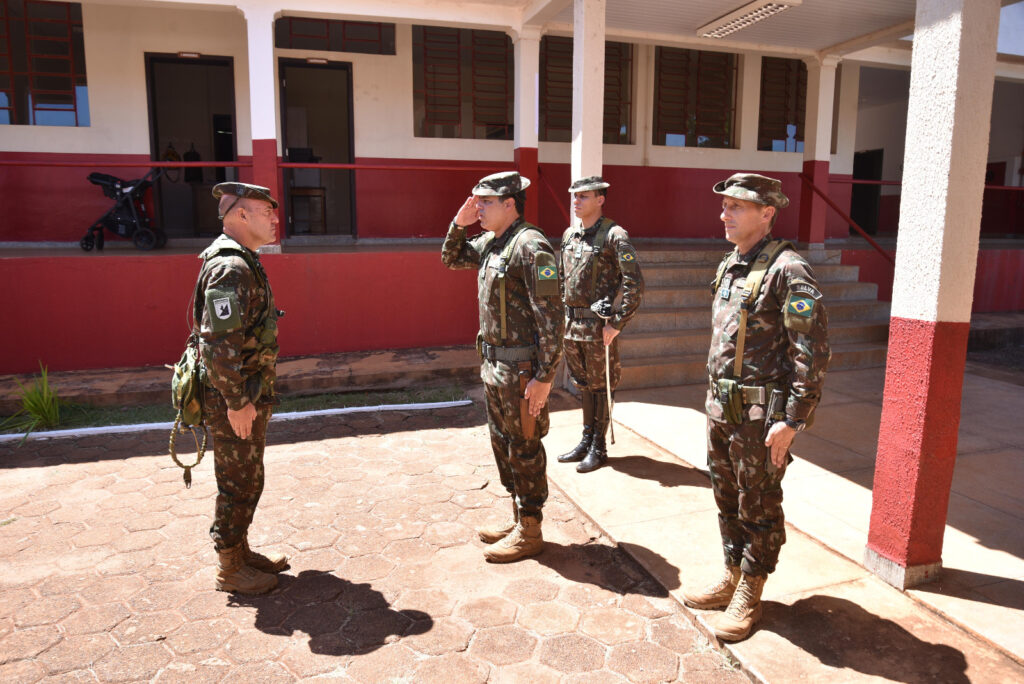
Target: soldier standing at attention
[
  {"x": 597, "y": 260},
  {"x": 238, "y": 345},
  {"x": 520, "y": 344},
  {"x": 769, "y": 352}
]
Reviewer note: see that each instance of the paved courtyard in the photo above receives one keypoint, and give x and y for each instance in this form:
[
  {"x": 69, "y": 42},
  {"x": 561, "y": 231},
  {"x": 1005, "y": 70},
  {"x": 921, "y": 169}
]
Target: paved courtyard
[{"x": 106, "y": 569}]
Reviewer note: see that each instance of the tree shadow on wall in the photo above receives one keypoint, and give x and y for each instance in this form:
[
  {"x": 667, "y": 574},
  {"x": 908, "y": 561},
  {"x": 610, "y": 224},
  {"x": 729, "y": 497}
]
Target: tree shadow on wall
[{"x": 340, "y": 617}]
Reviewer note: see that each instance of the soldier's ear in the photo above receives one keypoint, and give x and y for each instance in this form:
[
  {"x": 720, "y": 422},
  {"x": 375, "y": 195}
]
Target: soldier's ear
[{"x": 600, "y": 200}]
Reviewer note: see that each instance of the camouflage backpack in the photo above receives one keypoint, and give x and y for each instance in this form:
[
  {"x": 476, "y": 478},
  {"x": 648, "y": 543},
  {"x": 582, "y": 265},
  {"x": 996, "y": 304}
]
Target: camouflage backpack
[{"x": 187, "y": 395}]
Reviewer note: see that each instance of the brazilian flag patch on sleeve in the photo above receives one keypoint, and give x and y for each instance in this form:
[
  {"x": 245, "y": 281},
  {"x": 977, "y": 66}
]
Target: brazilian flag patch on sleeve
[
  {"x": 547, "y": 275},
  {"x": 800, "y": 306}
]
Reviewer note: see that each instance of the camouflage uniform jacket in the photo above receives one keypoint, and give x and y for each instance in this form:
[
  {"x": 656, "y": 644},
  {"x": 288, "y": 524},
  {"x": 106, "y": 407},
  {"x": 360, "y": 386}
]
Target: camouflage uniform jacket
[
  {"x": 237, "y": 323},
  {"x": 533, "y": 307},
  {"x": 582, "y": 284},
  {"x": 787, "y": 333}
]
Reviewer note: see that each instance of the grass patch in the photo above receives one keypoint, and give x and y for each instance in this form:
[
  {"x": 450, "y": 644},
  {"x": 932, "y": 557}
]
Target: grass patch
[
  {"x": 77, "y": 416},
  {"x": 7, "y": 522}
]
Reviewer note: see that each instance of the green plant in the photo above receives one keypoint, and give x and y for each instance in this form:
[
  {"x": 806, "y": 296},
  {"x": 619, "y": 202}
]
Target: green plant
[{"x": 40, "y": 407}]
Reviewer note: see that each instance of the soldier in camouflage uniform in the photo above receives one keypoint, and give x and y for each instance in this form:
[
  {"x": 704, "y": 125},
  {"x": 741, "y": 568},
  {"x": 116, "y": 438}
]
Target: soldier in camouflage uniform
[
  {"x": 238, "y": 344},
  {"x": 598, "y": 261},
  {"x": 756, "y": 408},
  {"x": 520, "y": 344}
]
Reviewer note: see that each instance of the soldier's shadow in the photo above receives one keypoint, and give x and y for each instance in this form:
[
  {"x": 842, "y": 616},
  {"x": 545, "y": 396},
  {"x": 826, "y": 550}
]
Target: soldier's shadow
[
  {"x": 844, "y": 635},
  {"x": 667, "y": 474},
  {"x": 607, "y": 567},
  {"x": 340, "y": 617}
]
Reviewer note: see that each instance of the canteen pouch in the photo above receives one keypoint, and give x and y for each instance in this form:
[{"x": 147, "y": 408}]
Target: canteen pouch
[
  {"x": 731, "y": 399},
  {"x": 187, "y": 386}
]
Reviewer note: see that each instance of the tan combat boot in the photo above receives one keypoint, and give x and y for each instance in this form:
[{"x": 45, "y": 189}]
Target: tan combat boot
[
  {"x": 234, "y": 575},
  {"x": 274, "y": 563},
  {"x": 715, "y": 595},
  {"x": 494, "y": 533},
  {"x": 743, "y": 612},
  {"x": 525, "y": 540}
]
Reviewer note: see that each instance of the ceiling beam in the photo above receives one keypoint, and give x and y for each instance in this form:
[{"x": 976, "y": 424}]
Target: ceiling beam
[
  {"x": 869, "y": 39},
  {"x": 542, "y": 11}
]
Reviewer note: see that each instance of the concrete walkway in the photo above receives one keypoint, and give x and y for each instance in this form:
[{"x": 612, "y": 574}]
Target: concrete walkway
[
  {"x": 826, "y": 617},
  {"x": 106, "y": 569}
]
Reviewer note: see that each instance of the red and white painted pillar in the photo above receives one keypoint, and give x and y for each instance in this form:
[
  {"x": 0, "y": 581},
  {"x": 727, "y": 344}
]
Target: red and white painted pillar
[
  {"x": 527, "y": 70},
  {"x": 259, "y": 22},
  {"x": 951, "y": 83},
  {"x": 821, "y": 88},
  {"x": 588, "y": 32}
]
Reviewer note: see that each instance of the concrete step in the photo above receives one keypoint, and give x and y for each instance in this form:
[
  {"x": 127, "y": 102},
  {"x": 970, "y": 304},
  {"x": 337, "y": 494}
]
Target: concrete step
[
  {"x": 680, "y": 369},
  {"x": 684, "y": 296},
  {"x": 652, "y": 318},
  {"x": 712, "y": 254},
  {"x": 697, "y": 274},
  {"x": 637, "y": 345}
]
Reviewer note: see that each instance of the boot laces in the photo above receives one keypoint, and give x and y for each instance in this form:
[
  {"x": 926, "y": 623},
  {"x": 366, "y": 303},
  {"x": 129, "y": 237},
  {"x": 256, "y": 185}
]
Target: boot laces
[{"x": 741, "y": 600}]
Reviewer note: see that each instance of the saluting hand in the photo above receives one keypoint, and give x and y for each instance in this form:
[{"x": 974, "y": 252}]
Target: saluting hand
[{"x": 467, "y": 213}]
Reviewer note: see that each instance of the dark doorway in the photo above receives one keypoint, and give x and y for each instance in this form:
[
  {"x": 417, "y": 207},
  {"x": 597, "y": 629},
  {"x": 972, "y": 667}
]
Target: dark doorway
[
  {"x": 316, "y": 126},
  {"x": 865, "y": 200},
  {"x": 191, "y": 118}
]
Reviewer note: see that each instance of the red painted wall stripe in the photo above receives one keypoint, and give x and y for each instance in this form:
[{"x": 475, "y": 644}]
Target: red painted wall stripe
[{"x": 917, "y": 439}]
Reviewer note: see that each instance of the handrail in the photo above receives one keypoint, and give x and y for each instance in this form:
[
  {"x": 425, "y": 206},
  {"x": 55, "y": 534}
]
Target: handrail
[
  {"x": 128, "y": 165},
  {"x": 554, "y": 196},
  {"x": 390, "y": 167},
  {"x": 846, "y": 217}
]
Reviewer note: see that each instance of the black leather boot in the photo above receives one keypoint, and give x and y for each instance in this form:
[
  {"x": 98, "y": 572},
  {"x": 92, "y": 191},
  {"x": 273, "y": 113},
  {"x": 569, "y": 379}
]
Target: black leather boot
[
  {"x": 597, "y": 454},
  {"x": 580, "y": 450}
]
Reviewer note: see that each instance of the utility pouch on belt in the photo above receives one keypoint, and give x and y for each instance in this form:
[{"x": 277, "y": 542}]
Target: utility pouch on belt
[
  {"x": 528, "y": 421},
  {"x": 731, "y": 398}
]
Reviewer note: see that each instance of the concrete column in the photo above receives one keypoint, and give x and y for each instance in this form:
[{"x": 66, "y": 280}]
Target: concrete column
[
  {"x": 587, "y": 87},
  {"x": 951, "y": 83},
  {"x": 527, "y": 97},
  {"x": 749, "y": 105},
  {"x": 821, "y": 90},
  {"x": 259, "y": 22}
]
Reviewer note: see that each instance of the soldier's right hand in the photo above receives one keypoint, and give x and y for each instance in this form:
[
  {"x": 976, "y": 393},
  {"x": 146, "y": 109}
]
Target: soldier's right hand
[
  {"x": 467, "y": 213},
  {"x": 241, "y": 420}
]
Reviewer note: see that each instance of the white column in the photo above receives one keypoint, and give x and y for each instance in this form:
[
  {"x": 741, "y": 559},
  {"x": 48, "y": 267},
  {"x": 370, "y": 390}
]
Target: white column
[
  {"x": 527, "y": 86},
  {"x": 948, "y": 117},
  {"x": 846, "y": 135},
  {"x": 259, "y": 24},
  {"x": 821, "y": 92},
  {"x": 587, "y": 87},
  {"x": 749, "y": 105}
]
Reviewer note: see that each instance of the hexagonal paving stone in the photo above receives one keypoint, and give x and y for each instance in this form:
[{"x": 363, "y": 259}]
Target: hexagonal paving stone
[
  {"x": 97, "y": 536},
  {"x": 136, "y": 541},
  {"x": 432, "y": 601},
  {"x": 76, "y": 652},
  {"x": 58, "y": 584},
  {"x": 535, "y": 673},
  {"x": 193, "y": 637},
  {"x": 205, "y": 604},
  {"x": 645, "y": 607},
  {"x": 549, "y": 618},
  {"x": 161, "y": 596},
  {"x": 21, "y": 672},
  {"x": 390, "y": 663},
  {"x": 489, "y": 611},
  {"x": 612, "y": 625},
  {"x": 596, "y": 677},
  {"x": 149, "y": 521},
  {"x": 360, "y": 543},
  {"x": 312, "y": 518},
  {"x": 644, "y": 662},
  {"x": 366, "y": 568},
  {"x": 109, "y": 589},
  {"x": 45, "y": 611},
  {"x": 134, "y": 663},
  {"x": 503, "y": 645},
  {"x": 370, "y": 629},
  {"x": 439, "y": 512},
  {"x": 675, "y": 633},
  {"x": 255, "y": 646},
  {"x": 444, "y": 534},
  {"x": 139, "y": 629},
  {"x": 34, "y": 509},
  {"x": 525, "y": 591},
  {"x": 27, "y": 643},
  {"x": 408, "y": 551},
  {"x": 589, "y": 596},
  {"x": 572, "y": 653},
  {"x": 92, "y": 619},
  {"x": 315, "y": 538},
  {"x": 453, "y": 667},
  {"x": 195, "y": 668},
  {"x": 447, "y": 635}
]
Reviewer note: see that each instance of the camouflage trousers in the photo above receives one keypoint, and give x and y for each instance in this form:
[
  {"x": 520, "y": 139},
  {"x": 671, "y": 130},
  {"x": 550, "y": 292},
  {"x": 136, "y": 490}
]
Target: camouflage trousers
[
  {"x": 238, "y": 465},
  {"x": 749, "y": 498},
  {"x": 522, "y": 462},
  {"x": 586, "y": 363}
]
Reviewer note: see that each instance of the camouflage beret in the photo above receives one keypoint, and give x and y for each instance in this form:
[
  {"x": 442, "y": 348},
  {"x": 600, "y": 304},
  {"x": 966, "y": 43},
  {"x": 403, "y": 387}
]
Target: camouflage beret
[
  {"x": 753, "y": 188},
  {"x": 245, "y": 190},
  {"x": 501, "y": 184},
  {"x": 588, "y": 183}
]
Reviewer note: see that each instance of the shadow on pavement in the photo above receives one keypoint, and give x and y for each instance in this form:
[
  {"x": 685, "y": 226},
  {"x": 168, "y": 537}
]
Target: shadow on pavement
[
  {"x": 668, "y": 474},
  {"x": 952, "y": 582},
  {"x": 340, "y": 617},
  {"x": 841, "y": 634},
  {"x": 603, "y": 566}
]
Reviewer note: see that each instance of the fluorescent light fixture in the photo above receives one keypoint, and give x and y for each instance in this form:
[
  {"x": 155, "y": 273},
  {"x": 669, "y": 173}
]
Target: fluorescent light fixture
[
  {"x": 316, "y": 60},
  {"x": 745, "y": 16},
  {"x": 189, "y": 55}
]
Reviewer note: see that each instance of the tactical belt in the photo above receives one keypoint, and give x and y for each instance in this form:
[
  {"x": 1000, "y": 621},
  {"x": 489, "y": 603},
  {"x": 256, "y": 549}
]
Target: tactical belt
[
  {"x": 576, "y": 313},
  {"x": 507, "y": 354},
  {"x": 752, "y": 394}
]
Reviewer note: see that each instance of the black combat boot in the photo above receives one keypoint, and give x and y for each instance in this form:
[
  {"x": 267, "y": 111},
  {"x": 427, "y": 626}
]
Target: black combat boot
[
  {"x": 580, "y": 450},
  {"x": 597, "y": 454}
]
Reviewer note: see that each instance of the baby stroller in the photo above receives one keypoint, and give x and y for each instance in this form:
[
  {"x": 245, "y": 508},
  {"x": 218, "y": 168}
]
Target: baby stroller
[{"x": 127, "y": 217}]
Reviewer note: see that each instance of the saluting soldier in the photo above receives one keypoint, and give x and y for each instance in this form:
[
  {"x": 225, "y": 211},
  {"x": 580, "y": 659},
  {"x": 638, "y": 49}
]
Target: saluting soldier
[
  {"x": 238, "y": 345},
  {"x": 598, "y": 263},
  {"x": 767, "y": 362},
  {"x": 520, "y": 344}
]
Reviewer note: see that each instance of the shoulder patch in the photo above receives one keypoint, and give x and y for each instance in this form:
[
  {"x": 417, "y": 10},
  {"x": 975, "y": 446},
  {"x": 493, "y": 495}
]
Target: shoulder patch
[
  {"x": 222, "y": 307},
  {"x": 804, "y": 289},
  {"x": 800, "y": 306},
  {"x": 547, "y": 275}
]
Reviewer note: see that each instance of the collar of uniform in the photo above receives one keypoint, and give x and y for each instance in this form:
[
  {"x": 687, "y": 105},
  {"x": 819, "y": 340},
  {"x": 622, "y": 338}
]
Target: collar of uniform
[
  {"x": 507, "y": 235},
  {"x": 754, "y": 251},
  {"x": 225, "y": 241},
  {"x": 592, "y": 230}
]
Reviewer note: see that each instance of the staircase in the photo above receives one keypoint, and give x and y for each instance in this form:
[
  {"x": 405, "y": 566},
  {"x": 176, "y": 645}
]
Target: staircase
[{"x": 667, "y": 342}]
